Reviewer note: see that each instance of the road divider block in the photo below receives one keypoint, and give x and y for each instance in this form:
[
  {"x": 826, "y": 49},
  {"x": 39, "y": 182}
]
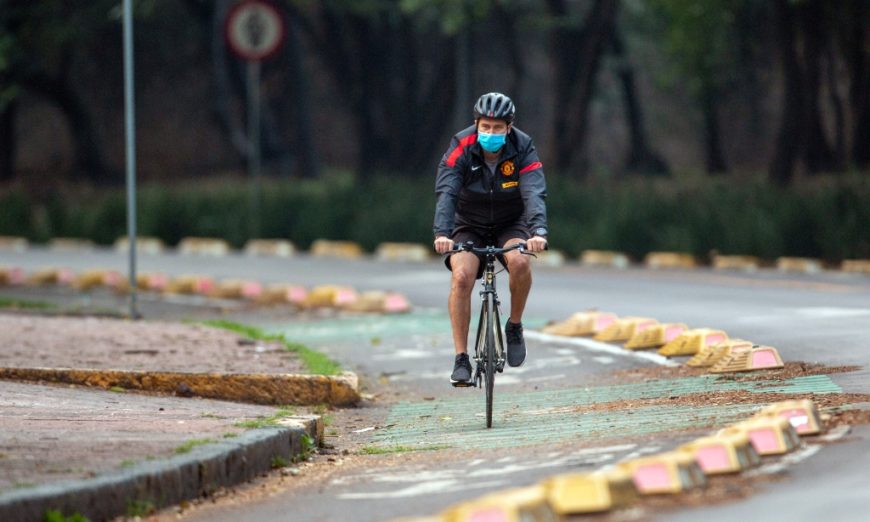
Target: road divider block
[
  {"x": 802, "y": 414},
  {"x": 657, "y": 260},
  {"x": 282, "y": 294},
  {"x": 581, "y": 323},
  {"x": 12, "y": 276},
  {"x": 152, "y": 281},
  {"x": 91, "y": 279},
  {"x": 551, "y": 258},
  {"x": 690, "y": 342},
  {"x": 330, "y": 296},
  {"x": 339, "y": 249},
  {"x": 724, "y": 453},
  {"x": 655, "y": 336},
  {"x": 203, "y": 246},
  {"x": 604, "y": 258},
  {"x": 710, "y": 355},
  {"x": 665, "y": 473},
  {"x": 861, "y": 266},
  {"x": 69, "y": 244},
  {"x": 237, "y": 289},
  {"x": 144, "y": 245},
  {"x": 745, "y": 263},
  {"x": 598, "y": 491},
  {"x": 510, "y": 505},
  {"x": 14, "y": 243},
  {"x": 381, "y": 302},
  {"x": 51, "y": 276},
  {"x": 624, "y": 328},
  {"x": 769, "y": 435},
  {"x": 803, "y": 265},
  {"x": 270, "y": 248},
  {"x": 190, "y": 284},
  {"x": 756, "y": 358},
  {"x": 403, "y": 252}
]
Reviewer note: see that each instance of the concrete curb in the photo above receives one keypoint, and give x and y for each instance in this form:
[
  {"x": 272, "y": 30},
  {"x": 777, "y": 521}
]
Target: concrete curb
[
  {"x": 257, "y": 388},
  {"x": 165, "y": 482}
]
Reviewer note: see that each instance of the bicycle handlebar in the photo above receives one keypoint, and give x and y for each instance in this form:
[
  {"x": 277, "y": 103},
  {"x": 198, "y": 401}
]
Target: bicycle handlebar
[{"x": 468, "y": 246}]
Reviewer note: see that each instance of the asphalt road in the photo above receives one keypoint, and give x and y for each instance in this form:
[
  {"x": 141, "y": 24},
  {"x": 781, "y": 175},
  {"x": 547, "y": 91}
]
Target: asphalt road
[{"x": 822, "y": 318}]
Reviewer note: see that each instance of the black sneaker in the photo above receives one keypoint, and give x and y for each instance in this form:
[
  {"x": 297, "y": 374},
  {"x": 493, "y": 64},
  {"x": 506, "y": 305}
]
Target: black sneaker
[
  {"x": 461, "y": 371},
  {"x": 516, "y": 345}
]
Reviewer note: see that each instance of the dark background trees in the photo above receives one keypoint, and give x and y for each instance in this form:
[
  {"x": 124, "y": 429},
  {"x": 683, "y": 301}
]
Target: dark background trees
[{"x": 378, "y": 86}]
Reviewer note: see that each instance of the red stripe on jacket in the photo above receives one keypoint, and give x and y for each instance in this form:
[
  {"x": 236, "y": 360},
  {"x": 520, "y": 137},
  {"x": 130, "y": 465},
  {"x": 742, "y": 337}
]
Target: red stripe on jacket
[
  {"x": 463, "y": 143},
  {"x": 531, "y": 166}
]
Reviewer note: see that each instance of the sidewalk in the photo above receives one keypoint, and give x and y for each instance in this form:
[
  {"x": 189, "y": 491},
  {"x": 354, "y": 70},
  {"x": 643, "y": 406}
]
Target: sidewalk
[{"x": 109, "y": 452}]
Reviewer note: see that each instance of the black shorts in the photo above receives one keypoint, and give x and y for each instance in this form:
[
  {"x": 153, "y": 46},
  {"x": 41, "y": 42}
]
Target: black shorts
[{"x": 486, "y": 237}]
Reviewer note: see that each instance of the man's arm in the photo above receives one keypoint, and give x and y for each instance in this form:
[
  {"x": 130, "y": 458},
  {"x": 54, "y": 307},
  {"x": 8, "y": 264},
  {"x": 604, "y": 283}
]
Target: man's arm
[
  {"x": 448, "y": 183},
  {"x": 533, "y": 189}
]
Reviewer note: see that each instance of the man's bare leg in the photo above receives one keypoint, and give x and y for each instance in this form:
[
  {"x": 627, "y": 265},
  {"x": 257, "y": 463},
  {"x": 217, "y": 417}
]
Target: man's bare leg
[
  {"x": 520, "y": 279},
  {"x": 464, "y": 266}
]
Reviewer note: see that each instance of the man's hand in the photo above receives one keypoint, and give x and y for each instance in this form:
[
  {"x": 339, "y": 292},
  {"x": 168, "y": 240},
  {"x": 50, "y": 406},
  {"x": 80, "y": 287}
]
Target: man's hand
[
  {"x": 443, "y": 244},
  {"x": 536, "y": 244}
]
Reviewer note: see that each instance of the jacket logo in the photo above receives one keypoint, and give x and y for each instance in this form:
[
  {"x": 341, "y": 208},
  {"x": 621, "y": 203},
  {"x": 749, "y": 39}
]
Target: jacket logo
[
  {"x": 508, "y": 168},
  {"x": 509, "y": 184}
]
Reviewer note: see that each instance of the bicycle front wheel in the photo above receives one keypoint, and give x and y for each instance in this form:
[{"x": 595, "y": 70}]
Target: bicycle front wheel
[{"x": 490, "y": 355}]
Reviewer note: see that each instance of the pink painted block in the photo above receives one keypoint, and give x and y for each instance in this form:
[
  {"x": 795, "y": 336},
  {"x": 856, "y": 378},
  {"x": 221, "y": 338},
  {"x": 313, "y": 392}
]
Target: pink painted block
[
  {"x": 644, "y": 325},
  {"x": 764, "y": 441},
  {"x": 65, "y": 276},
  {"x": 396, "y": 303},
  {"x": 652, "y": 477},
  {"x": 296, "y": 294},
  {"x": 713, "y": 459},
  {"x": 672, "y": 332},
  {"x": 251, "y": 290},
  {"x": 602, "y": 322},
  {"x": 488, "y": 515},
  {"x": 714, "y": 339},
  {"x": 203, "y": 285},
  {"x": 113, "y": 278},
  {"x": 16, "y": 276},
  {"x": 799, "y": 419},
  {"x": 763, "y": 359},
  {"x": 345, "y": 296},
  {"x": 157, "y": 282}
]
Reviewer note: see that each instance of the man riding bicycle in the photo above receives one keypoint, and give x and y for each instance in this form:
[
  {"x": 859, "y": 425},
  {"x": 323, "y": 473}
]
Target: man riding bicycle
[{"x": 491, "y": 189}]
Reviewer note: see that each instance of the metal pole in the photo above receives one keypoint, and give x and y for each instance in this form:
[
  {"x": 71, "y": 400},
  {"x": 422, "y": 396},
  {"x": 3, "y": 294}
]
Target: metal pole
[
  {"x": 254, "y": 143},
  {"x": 129, "y": 130}
]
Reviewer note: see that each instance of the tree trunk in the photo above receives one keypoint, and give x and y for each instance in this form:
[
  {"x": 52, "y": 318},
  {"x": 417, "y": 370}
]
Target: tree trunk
[
  {"x": 641, "y": 158},
  {"x": 303, "y": 129},
  {"x": 858, "y": 61},
  {"x": 715, "y": 159},
  {"x": 790, "y": 138},
  {"x": 7, "y": 141},
  {"x": 818, "y": 154}
]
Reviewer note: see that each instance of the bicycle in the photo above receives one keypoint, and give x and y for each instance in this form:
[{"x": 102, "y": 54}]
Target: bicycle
[{"x": 489, "y": 355}]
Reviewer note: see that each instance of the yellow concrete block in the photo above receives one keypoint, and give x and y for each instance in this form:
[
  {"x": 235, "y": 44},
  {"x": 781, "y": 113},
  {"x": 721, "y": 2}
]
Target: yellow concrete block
[
  {"x": 799, "y": 264},
  {"x": 51, "y": 276},
  {"x": 581, "y": 323},
  {"x": 152, "y": 282},
  {"x": 70, "y": 244},
  {"x": 101, "y": 278},
  {"x": 578, "y": 493},
  {"x": 13, "y": 243},
  {"x": 190, "y": 284},
  {"x": 203, "y": 246},
  {"x": 551, "y": 258},
  {"x": 671, "y": 472},
  {"x": 330, "y": 296},
  {"x": 624, "y": 328},
  {"x": 237, "y": 289},
  {"x": 604, "y": 258},
  {"x": 669, "y": 260},
  {"x": 655, "y": 336},
  {"x": 756, "y": 358},
  {"x": 144, "y": 245},
  {"x": 282, "y": 293},
  {"x": 403, "y": 252},
  {"x": 340, "y": 249},
  {"x": 12, "y": 276},
  {"x": 379, "y": 302},
  {"x": 512, "y": 505},
  {"x": 270, "y": 248},
  {"x": 769, "y": 435},
  {"x": 690, "y": 342},
  {"x": 730, "y": 452},
  {"x": 856, "y": 265},
  {"x": 802, "y": 414},
  {"x": 747, "y": 263},
  {"x": 710, "y": 355}
]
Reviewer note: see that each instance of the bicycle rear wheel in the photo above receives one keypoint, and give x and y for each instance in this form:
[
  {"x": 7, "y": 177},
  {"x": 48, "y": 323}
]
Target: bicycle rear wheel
[{"x": 490, "y": 362}]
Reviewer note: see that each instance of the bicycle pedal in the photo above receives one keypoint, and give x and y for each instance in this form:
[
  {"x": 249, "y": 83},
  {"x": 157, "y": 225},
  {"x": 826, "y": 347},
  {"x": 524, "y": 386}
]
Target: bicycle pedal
[{"x": 468, "y": 384}]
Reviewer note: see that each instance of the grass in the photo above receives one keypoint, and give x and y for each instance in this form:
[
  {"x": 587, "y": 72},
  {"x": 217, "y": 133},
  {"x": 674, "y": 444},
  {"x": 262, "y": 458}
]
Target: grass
[
  {"x": 270, "y": 421},
  {"x": 24, "y": 304},
  {"x": 208, "y": 415},
  {"x": 127, "y": 463},
  {"x": 279, "y": 462},
  {"x": 53, "y": 515},
  {"x": 140, "y": 508},
  {"x": 315, "y": 362},
  {"x": 230, "y": 435},
  {"x": 192, "y": 443},
  {"x": 377, "y": 450},
  {"x": 117, "y": 389}
]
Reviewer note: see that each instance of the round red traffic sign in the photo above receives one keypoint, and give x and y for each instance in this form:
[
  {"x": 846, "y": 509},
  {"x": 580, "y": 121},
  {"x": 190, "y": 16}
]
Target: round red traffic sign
[{"x": 254, "y": 29}]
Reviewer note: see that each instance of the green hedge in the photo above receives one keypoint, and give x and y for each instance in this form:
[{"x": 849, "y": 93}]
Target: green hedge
[{"x": 825, "y": 217}]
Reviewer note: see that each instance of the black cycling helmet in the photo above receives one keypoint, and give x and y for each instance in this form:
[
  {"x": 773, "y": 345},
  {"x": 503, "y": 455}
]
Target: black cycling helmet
[{"x": 495, "y": 105}]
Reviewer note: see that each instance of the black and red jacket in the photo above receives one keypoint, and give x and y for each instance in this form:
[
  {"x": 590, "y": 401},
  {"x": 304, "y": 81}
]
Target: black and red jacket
[{"x": 469, "y": 194}]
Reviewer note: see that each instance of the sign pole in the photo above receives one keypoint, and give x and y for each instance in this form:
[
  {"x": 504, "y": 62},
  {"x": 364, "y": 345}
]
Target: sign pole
[
  {"x": 254, "y": 143},
  {"x": 129, "y": 131}
]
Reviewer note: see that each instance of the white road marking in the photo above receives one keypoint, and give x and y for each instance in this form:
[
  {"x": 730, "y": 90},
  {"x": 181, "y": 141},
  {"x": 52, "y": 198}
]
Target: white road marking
[
  {"x": 598, "y": 347},
  {"x": 603, "y": 359},
  {"x": 425, "y": 488}
]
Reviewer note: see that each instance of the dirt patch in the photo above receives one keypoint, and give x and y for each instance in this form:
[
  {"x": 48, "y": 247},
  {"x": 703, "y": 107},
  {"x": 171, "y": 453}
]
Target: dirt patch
[
  {"x": 102, "y": 343},
  {"x": 790, "y": 371}
]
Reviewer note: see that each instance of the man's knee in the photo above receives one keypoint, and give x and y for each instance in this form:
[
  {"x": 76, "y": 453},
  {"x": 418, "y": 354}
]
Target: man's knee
[
  {"x": 464, "y": 273},
  {"x": 518, "y": 264}
]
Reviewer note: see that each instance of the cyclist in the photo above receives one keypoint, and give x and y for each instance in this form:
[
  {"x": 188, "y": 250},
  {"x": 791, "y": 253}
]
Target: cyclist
[{"x": 491, "y": 189}]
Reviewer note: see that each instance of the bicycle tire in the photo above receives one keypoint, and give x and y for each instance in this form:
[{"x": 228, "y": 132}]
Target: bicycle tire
[{"x": 489, "y": 365}]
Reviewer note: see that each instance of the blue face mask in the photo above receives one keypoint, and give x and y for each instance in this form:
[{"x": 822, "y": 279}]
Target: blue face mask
[{"x": 491, "y": 142}]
